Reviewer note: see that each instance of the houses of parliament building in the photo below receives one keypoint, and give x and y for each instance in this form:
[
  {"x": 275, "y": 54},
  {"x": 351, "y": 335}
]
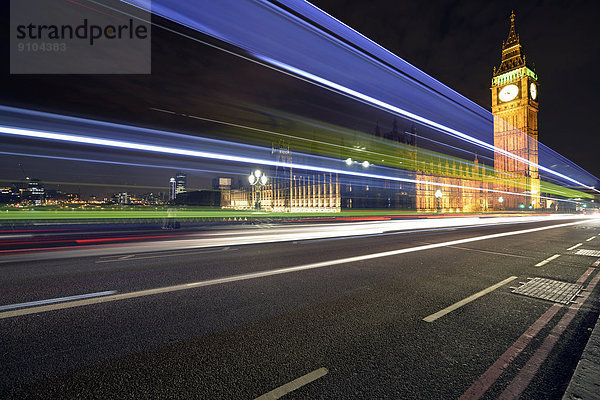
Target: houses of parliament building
[{"x": 434, "y": 181}]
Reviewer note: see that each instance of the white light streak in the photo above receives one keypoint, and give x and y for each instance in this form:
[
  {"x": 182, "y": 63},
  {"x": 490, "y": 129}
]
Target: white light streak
[
  {"x": 418, "y": 118},
  {"x": 268, "y": 273},
  {"x": 222, "y": 157}
]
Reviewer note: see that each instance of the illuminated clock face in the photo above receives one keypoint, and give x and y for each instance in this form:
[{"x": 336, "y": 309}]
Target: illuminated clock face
[
  {"x": 533, "y": 91},
  {"x": 508, "y": 92}
]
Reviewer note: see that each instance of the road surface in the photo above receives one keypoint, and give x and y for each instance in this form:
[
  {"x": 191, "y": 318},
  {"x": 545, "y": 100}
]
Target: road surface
[{"x": 407, "y": 312}]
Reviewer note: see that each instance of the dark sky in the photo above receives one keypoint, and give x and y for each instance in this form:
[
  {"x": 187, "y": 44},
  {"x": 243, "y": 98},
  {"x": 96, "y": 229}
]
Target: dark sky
[{"x": 459, "y": 42}]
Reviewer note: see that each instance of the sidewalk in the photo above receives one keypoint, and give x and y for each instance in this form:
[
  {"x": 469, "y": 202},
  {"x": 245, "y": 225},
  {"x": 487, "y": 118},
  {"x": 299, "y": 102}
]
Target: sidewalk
[{"x": 585, "y": 383}]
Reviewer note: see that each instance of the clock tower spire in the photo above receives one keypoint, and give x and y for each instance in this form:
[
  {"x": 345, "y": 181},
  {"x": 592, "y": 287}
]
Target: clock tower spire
[
  {"x": 512, "y": 51},
  {"x": 515, "y": 108}
]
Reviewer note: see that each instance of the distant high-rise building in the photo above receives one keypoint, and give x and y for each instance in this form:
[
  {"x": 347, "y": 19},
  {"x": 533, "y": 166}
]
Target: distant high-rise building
[
  {"x": 172, "y": 189},
  {"x": 180, "y": 183},
  {"x": 124, "y": 198},
  {"x": 37, "y": 193}
]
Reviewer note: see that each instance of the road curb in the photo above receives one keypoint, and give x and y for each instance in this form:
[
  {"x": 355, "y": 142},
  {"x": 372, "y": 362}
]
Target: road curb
[{"x": 585, "y": 384}]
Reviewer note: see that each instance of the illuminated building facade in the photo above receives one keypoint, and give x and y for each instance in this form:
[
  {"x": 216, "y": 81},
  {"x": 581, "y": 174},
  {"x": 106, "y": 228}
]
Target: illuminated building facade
[
  {"x": 515, "y": 108},
  {"x": 288, "y": 190},
  {"x": 180, "y": 183},
  {"x": 461, "y": 185},
  {"x": 466, "y": 186},
  {"x": 299, "y": 191}
]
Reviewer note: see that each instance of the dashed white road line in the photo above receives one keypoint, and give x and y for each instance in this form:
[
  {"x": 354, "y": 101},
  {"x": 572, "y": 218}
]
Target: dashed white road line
[
  {"x": 293, "y": 385},
  {"x": 592, "y": 238},
  {"x": 441, "y": 313},
  {"x": 574, "y": 247},
  {"x": 547, "y": 260}
]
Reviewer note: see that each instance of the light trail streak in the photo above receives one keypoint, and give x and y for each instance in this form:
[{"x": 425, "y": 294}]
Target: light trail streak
[
  {"x": 129, "y": 164},
  {"x": 412, "y": 116},
  {"x": 62, "y": 137},
  {"x": 329, "y": 50},
  {"x": 507, "y": 176},
  {"x": 268, "y": 273}
]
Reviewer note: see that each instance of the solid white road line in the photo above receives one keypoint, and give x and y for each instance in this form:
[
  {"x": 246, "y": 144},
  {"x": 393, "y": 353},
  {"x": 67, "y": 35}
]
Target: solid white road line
[
  {"x": 441, "y": 313},
  {"x": 293, "y": 385},
  {"x": 547, "y": 260},
  {"x": 574, "y": 247},
  {"x": 56, "y": 300},
  {"x": 261, "y": 274},
  {"x": 592, "y": 238}
]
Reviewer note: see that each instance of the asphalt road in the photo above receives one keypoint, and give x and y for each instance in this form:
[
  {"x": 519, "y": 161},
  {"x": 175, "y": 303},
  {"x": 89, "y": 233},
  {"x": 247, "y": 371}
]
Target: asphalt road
[{"x": 177, "y": 325}]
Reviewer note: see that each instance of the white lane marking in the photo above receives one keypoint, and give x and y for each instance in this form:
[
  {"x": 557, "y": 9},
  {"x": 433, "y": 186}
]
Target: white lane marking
[
  {"x": 235, "y": 278},
  {"x": 489, "y": 252},
  {"x": 592, "y": 238},
  {"x": 293, "y": 385},
  {"x": 441, "y": 313},
  {"x": 57, "y": 300},
  {"x": 574, "y": 247},
  {"x": 135, "y": 257},
  {"x": 547, "y": 260}
]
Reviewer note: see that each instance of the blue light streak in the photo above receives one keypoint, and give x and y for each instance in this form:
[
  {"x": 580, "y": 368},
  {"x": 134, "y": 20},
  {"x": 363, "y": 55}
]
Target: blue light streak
[
  {"x": 349, "y": 63},
  {"x": 420, "y": 119},
  {"x": 111, "y": 143}
]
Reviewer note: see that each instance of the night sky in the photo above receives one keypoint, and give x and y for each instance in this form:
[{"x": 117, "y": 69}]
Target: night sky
[
  {"x": 456, "y": 42},
  {"x": 459, "y": 43}
]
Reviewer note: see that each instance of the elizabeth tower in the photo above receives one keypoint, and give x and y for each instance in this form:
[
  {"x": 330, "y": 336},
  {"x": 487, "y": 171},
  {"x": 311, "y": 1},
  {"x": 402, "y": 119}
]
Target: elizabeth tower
[{"x": 515, "y": 108}]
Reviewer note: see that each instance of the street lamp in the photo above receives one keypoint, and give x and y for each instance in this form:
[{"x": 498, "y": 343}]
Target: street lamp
[
  {"x": 350, "y": 162},
  {"x": 257, "y": 179},
  {"x": 438, "y": 196},
  {"x": 500, "y": 200}
]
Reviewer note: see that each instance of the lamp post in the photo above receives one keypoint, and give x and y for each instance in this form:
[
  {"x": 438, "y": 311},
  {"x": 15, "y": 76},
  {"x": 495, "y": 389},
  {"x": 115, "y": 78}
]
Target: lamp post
[
  {"x": 257, "y": 179},
  {"x": 500, "y": 200},
  {"x": 438, "y": 196}
]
